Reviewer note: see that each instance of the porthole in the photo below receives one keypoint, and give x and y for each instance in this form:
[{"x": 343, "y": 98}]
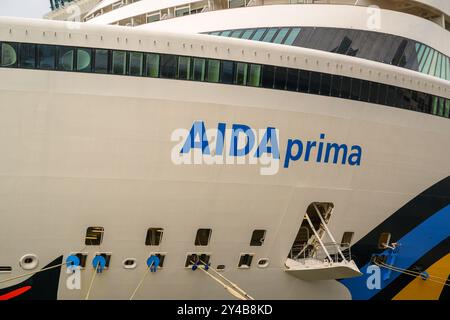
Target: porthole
[
  {"x": 29, "y": 262},
  {"x": 220, "y": 267},
  {"x": 263, "y": 263},
  {"x": 129, "y": 263}
]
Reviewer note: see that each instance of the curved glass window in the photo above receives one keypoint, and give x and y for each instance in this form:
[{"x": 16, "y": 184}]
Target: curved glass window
[
  {"x": 84, "y": 60},
  {"x": 66, "y": 58},
  {"x": 8, "y": 57},
  {"x": 370, "y": 45}
]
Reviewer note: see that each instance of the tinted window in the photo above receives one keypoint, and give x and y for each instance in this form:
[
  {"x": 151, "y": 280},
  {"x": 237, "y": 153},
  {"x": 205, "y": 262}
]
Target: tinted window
[
  {"x": 292, "y": 80},
  {"x": 46, "y": 56},
  {"x": 325, "y": 84},
  {"x": 254, "y": 78},
  {"x": 356, "y": 88},
  {"x": 336, "y": 85},
  {"x": 382, "y": 94},
  {"x": 281, "y": 35},
  {"x": 168, "y": 66},
  {"x": 268, "y": 76},
  {"x": 84, "y": 60},
  {"x": 345, "y": 87},
  {"x": 447, "y": 109},
  {"x": 258, "y": 34},
  {"x": 303, "y": 81},
  {"x": 136, "y": 62},
  {"x": 269, "y": 35},
  {"x": 213, "y": 70},
  {"x": 292, "y": 36},
  {"x": 314, "y": 84},
  {"x": 119, "y": 61},
  {"x": 152, "y": 65},
  {"x": 391, "y": 99},
  {"x": 226, "y": 74},
  {"x": 27, "y": 56},
  {"x": 184, "y": 67},
  {"x": 66, "y": 58},
  {"x": 365, "y": 87},
  {"x": 8, "y": 56},
  {"x": 101, "y": 61},
  {"x": 373, "y": 95},
  {"x": 280, "y": 78},
  {"x": 241, "y": 73},
  {"x": 199, "y": 69}
]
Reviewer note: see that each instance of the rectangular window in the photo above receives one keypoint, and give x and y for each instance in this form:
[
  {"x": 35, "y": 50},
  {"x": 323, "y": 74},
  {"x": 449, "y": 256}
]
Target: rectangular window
[
  {"x": 373, "y": 95},
  {"x": 94, "y": 236},
  {"x": 226, "y": 33},
  {"x": 447, "y": 109},
  {"x": 325, "y": 85},
  {"x": 46, "y": 57},
  {"x": 345, "y": 87},
  {"x": 336, "y": 86},
  {"x": 356, "y": 88},
  {"x": 181, "y": 11},
  {"x": 303, "y": 82},
  {"x": 203, "y": 236},
  {"x": 281, "y": 35},
  {"x": 168, "y": 66},
  {"x": 441, "y": 107},
  {"x": 245, "y": 261},
  {"x": 84, "y": 60},
  {"x": 269, "y": 35},
  {"x": 154, "y": 236},
  {"x": 292, "y": 36},
  {"x": 152, "y": 65},
  {"x": 101, "y": 61},
  {"x": 199, "y": 69},
  {"x": 226, "y": 72},
  {"x": 268, "y": 75},
  {"x": 292, "y": 80},
  {"x": 240, "y": 76},
  {"x": 257, "y": 238},
  {"x": 236, "y": 34},
  {"x": 382, "y": 94},
  {"x": 365, "y": 88},
  {"x": 258, "y": 34},
  {"x": 254, "y": 78},
  {"x": 66, "y": 58},
  {"x": 280, "y": 78},
  {"x": 119, "y": 62},
  {"x": 391, "y": 99},
  {"x": 314, "y": 83},
  {"x": 136, "y": 63},
  {"x": 184, "y": 68},
  {"x": 27, "y": 56},
  {"x": 213, "y": 70}
]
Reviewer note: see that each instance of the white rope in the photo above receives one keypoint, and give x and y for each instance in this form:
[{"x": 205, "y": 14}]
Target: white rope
[
  {"x": 92, "y": 282},
  {"x": 411, "y": 273},
  {"x": 235, "y": 286},
  {"x": 141, "y": 282}
]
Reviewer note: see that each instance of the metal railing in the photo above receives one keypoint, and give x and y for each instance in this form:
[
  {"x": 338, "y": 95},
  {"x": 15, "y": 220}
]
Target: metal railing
[{"x": 317, "y": 252}]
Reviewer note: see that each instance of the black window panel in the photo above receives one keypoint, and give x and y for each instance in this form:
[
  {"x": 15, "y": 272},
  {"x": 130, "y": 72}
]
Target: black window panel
[
  {"x": 391, "y": 99},
  {"x": 135, "y": 63},
  {"x": 410, "y": 55},
  {"x": 382, "y": 93},
  {"x": 101, "y": 61},
  {"x": 405, "y": 98},
  {"x": 365, "y": 89},
  {"x": 336, "y": 86},
  {"x": 27, "y": 56},
  {"x": 303, "y": 82},
  {"x": 343, "y": 46},
  {"x": 304, "y": 36},
  {"x": 367, "y": 44},
  {"x": 358, "y": 41},
  {"x": 373, "y": 95},
  {"x": 66, "y": 58},
  {"x": 292, "y": 80},
  {"x": 280, "y": 78},
  {"x": 390, "y": 46},
  {"x": 321, "y": 38},
  {"x": 325, "y": 84},
  {"x": 169, "y": 66},
  {"x": 226, "y": 72},
  {"x": 268, "y": 76},
  {"x": 337, "y": 36},
  {"x": 345, "y": 87},
  {"x": 46, "y": 57},
  {"x": 314, "y": 83},
  {"x": 376, "y": 53},
  {"x": 399, "y": 58},
  {"x": 356, "y": 89}
]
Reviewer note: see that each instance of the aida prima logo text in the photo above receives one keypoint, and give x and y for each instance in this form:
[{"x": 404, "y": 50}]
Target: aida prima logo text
[{"x": 241, "y": 144}]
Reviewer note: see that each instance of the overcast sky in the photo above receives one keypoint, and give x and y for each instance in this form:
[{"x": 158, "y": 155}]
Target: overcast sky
[{"x": 24, "y": 8}]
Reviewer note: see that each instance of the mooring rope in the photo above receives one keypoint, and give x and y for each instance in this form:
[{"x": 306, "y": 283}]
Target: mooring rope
[
  {"x": 92, "y": 282},
  {"x": 141, "y": 282}
]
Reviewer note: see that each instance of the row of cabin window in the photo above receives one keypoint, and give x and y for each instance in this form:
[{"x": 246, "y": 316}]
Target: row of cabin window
[
  {"x": 49, "y": 57},
  {"x": 94, "y": 236},
  {"x": 371, "y": 45}
]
